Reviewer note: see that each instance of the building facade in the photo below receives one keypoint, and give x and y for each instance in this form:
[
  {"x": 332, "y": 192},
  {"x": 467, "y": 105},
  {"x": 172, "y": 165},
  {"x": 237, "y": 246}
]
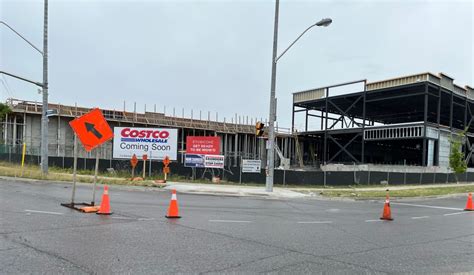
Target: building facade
[{"x": 402, "y": 121}]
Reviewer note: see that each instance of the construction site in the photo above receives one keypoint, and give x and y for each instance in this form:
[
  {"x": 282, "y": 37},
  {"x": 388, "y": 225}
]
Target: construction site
[
  {"x": 355, "y": 131},
  {"x": 23, "y": 125}
]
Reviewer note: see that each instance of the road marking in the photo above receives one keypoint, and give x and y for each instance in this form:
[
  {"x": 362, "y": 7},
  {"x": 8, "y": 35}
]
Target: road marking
[
  {"x": 122, "y": 218},
  {"x": 229, "y": 221},
  {"x": 43, "y": 212},
  {"x": 315, "y": 222},
  {"x": 427, "y": 206},
  {"x": 456, "y": 213},
  {"x": 146, "y": 219},
  {"x": 373, "y": 220},
  {"x": 422, "y": 217}
]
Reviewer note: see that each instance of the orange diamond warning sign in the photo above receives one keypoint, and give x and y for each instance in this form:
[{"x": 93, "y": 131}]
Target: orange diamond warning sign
[{"x": 92, "y": 129}]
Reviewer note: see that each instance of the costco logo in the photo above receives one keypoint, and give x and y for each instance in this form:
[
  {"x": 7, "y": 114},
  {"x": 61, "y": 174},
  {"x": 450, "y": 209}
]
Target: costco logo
[{"x": 130, "y": 135}]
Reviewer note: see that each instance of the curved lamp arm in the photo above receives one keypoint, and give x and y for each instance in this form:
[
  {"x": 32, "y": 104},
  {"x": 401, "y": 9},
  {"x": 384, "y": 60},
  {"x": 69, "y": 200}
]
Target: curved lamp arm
[
  {"x": 21, "y": 36},
  {"x": 323, "y": 23}
]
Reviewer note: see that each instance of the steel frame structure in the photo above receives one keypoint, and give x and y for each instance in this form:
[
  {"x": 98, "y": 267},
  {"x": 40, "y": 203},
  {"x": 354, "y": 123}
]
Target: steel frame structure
[{"x": 396, "y": 107}]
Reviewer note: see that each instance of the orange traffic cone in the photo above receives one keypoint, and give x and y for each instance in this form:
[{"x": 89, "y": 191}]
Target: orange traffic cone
[
  {"x": 469, "y": 206},
  {"x": 173, "y": 209},
  {"x": 105, "y": 203},
  {"x": 387, "y": 214}
]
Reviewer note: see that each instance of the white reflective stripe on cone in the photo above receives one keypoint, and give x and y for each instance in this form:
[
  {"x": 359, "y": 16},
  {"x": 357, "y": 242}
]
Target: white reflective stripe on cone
[{"x": 173, "y": 197}]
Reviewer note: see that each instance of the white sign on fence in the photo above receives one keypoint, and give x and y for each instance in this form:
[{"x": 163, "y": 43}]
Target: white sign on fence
[
  {"x": 251, "y": 165},
  {"x": 214, "y": 161},
  {"x": 157, "y": 143}
]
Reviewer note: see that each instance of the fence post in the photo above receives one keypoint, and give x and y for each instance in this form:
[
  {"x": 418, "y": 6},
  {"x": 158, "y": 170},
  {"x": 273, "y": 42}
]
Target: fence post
[
  {"x": 368, "y": 174},
  {"x": 240, "y": 171},
  {"x": 404, "y": 171}
]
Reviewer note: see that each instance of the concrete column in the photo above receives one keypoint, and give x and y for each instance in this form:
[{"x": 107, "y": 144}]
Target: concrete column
[
  {"x": 236, "y": 149},
  {"x": 23, "y": 135},
  {"x": 5, "y": 129},
  {"x": 14, "y": 132}
]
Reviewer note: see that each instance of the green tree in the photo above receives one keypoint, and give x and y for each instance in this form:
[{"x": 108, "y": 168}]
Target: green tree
[
  {"x": 4, "y": 110},
  {"x": 456, "y": 157}
]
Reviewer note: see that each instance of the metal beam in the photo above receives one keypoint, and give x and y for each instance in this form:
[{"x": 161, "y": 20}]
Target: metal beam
[
  {"x": 343, "y": 148},
  {"x": 364, "y": 103},
  {"x": 425, "y": 121},
  {"x": 344, "y": 113},
  {"x": 395, "y": 97}
]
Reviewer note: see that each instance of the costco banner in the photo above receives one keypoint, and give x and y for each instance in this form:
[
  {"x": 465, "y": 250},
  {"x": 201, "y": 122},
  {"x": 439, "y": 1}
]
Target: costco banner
[
  {"x": 157, "y": 143},
  {"x": 203, "y": 145}
]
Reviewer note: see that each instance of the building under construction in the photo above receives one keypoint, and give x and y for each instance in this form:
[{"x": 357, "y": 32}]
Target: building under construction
[
  {"x": 238, "y": 139},
  {"x": 402, "y": 121},
  {"x": 357, "y": 131}
]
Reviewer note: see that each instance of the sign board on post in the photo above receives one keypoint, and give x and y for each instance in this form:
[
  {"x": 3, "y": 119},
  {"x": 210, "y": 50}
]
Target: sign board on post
[
  {"x": 166, "y": 161},
  {"x": 134, "y": 161},
  {"x": 155, "y": 142},
  {"x": 251, "y": 165},
  {"x": 191, "y": 160},
  {"x": 214, "y": 161},
  {"x": 92, "y": 129},
  {"x": 203, "y": 145},
  {"x": 204, "y": 161}
]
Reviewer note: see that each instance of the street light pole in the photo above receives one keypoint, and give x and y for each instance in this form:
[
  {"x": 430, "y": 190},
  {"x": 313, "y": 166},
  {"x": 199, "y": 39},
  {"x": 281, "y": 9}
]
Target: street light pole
[
  {"x": 44, "y": 118},
  {"x": 271, "y": 121},
  {"x": 44, "y": 86},
  {"x": 272, "y": 118}
]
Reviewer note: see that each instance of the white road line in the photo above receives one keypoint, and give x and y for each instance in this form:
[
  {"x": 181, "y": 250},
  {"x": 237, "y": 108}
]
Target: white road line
[
  {"x": 122, "y": 218},
  {"x": 457, "y": 213},
  {"x": 229, "y": 221},
  {"x": 426, "y": 206},
  {"x": 316, "y": 222},
  {"x": 373, "y": 220},
  {"x": 422, "y": 217},
  {"x": 43, "y": 212}
]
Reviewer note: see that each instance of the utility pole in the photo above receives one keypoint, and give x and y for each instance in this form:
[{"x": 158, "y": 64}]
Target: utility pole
[
  {"x": 44, "y": 86},
  {"x": 271, "y": 121},
  {"x": 272, "y": 118},
  {"x": 44, "y": 118}
]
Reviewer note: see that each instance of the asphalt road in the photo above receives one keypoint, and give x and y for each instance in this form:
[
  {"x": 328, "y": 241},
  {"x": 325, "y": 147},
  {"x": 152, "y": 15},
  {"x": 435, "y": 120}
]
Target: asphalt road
[{"x": 220, "y": 234}]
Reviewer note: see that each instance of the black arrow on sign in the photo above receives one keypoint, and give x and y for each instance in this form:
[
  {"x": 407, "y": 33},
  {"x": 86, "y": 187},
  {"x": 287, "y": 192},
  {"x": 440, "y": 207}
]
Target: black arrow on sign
[{"x": 91, "y": 128}]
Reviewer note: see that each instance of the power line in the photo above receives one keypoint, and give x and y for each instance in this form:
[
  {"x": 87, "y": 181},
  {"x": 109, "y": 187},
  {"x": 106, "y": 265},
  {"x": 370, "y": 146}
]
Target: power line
[{"x": 7, "y": 87}]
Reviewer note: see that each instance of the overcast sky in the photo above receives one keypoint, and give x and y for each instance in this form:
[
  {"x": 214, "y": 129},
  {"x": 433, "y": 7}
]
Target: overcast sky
[{"x": 216, "y": 55}]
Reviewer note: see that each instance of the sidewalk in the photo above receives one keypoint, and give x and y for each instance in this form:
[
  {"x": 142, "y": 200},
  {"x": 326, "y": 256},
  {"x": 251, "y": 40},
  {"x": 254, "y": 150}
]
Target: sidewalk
[
  {"x": 291, "y": 192},
  {"x": 233, "y": 190},
  {"x": 259, "y": 191},
  {"x": 381, "y": 188}
]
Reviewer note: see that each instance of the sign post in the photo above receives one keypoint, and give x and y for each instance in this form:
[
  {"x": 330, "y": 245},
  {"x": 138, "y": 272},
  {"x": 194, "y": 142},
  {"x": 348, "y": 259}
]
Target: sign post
[
  {"x": 133, "y": 162},
  {"x": 23, "y": 153},
  {"x": 149, "y": 166},
  {"x": 145, "y": 157},
  {"x": 95, "y": 174},
  {"x": 93, "y": 130},
  {"x": 166, "y": 169},
  {"x": 74, "y": 171}
]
